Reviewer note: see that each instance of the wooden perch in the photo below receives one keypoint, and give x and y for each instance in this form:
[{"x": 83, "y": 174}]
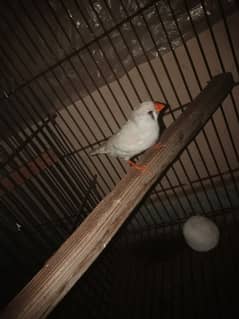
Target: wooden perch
[{"x": 80, "y": 250}]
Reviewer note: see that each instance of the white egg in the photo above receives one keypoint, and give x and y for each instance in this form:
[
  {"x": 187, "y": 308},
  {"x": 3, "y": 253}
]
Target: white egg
[{"x": 200, "y": 233}]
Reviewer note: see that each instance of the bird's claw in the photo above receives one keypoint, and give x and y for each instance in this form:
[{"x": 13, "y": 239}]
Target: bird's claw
[
  {"x": 159, "y": 146},
  {"x": 141, "y": 168}
]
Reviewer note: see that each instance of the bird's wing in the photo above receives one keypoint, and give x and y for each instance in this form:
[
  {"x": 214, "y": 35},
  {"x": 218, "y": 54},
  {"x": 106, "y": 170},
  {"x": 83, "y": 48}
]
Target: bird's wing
[
  {"x": 120, "y": 142},
  {"x": 128, "y": 139},
  {"x": 99, "y": 150}
]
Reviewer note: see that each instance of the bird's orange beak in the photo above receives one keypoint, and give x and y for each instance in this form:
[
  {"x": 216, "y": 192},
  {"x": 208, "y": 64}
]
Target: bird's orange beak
[{"x": 159, "y": 106}]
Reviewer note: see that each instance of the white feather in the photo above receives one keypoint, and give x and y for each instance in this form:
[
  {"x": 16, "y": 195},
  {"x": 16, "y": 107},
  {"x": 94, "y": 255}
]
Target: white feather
[{"x": 139, "y": 133}]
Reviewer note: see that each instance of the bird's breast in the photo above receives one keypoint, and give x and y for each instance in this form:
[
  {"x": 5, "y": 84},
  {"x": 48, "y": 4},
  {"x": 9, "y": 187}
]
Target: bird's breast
[{"x": 148, "y": 134}]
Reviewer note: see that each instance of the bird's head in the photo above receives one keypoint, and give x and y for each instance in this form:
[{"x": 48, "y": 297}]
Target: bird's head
[{"x": 149, "y": 109}]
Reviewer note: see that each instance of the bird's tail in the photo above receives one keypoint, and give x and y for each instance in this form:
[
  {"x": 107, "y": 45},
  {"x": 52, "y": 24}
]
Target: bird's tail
[{"x": 99, "y": 150}]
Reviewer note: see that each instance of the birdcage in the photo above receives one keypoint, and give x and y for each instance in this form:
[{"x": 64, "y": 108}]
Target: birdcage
[{"x": 71, "y": 73}]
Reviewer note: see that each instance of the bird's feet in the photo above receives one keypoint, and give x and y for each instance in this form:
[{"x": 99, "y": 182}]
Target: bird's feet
[
  {"x": 141, "y": 168},
  {"x": 159, "y": 146}
]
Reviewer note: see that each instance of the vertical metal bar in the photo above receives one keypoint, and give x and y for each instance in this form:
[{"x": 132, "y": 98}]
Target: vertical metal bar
[
  {"x": 52, "y": 180},
  {"x": 49, "y": 154},
  {"x": 210, "y": 75},
  {"x": 223, "y": 69},
  {"x": 115, "y": 51},
  {"x": 232, "y": 47},
  {"x": 56, "y": 185},
  {"x": 203, "y": 131},
  {"x": 39, "y": 193},
  {"x": 195, "y": 142},
  {"x": 76, "y": 175},
  {"x": 142, "y": 78},
  {"x": 53, "y": 106},
  {"x": 198, "y": 82},
  {"x": 18, "y": 38},
  {"x": 68, "y": 95},
  {"x": 132, "y": 57}
]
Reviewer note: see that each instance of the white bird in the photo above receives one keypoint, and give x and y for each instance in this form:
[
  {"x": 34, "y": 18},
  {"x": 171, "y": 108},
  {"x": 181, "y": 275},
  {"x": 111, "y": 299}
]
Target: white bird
[{"x": 140, "y": 132}]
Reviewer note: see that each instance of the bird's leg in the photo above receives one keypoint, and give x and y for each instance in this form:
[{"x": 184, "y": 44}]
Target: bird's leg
[
  {"x": 159, "y": 146},
  {"x": 136, "y": 166}
]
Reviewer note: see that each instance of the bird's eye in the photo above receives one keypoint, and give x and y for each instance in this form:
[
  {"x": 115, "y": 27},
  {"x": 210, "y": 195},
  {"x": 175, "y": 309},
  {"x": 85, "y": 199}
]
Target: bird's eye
[{"x": 151, "y": 113}]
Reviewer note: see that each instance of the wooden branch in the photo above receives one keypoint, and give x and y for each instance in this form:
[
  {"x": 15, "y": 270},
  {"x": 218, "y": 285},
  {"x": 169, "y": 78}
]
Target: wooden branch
[{"x": 79, "y": 251}]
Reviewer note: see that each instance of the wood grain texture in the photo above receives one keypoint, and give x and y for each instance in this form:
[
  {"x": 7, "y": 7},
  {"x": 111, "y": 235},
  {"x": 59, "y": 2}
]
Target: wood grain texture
[{"x": 79, "y": 251}]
